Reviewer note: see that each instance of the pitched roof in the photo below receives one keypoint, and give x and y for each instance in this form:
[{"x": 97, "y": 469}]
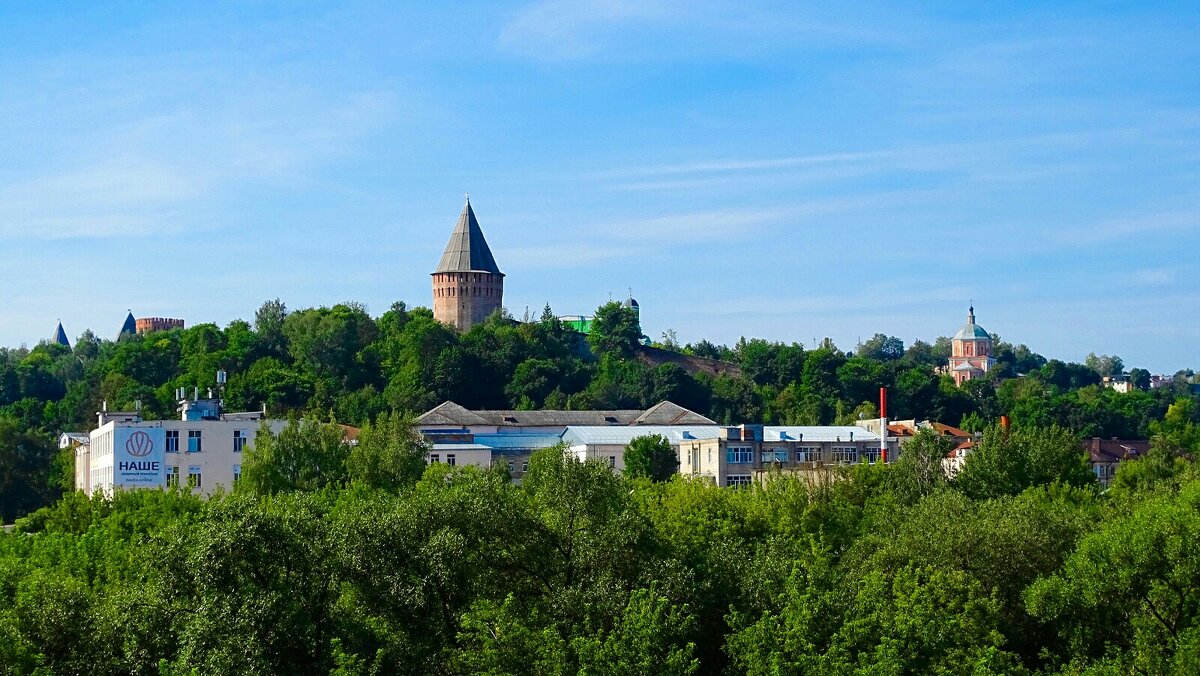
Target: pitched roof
[
  {"x": 1115, "y": 450},
  {"x": 467, "y": 249},
  {"x": 60, "y": 336},
  {"x": 449, "y": 413},
  {"x": 559, "y": 418},
  {"x": 670, "y": 413},
  {"x": 948, "y": 430},
  {"x": 129, "y": 327}
]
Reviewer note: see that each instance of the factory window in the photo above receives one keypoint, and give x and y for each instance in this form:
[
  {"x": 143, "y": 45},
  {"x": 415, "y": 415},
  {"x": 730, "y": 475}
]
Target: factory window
[
  {"x": 738, "y": 480},
  {"x": 512, "y": 466},
  {"x": 525, "y": 466},
  {"x": 193, "y": 479},
  {"x": 194, "y": 441},
  {"x": 739, "y": 455},
  {"x": 845, "y": 454},
  {"x": 173, "y": 476},
  {"x": 612, "y": 461},
  {"x": 871, "y": 455},
  {"x": 172, "y": 441},
  {"x": 239, "y": 440},
  {"x": 808, "y": 453},
  {"x": 237, "y": 473},
  {"x": 450, "y": 459},
  {"x": 434, "y": 457},
  {"x": 776, "y": 455}
]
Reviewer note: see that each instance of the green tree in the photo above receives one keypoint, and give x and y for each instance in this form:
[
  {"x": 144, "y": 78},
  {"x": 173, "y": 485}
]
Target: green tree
[
  {"x": 651, "y": 457},
  {"x": 389, "y": 454},
  {"x": 615, "y": 330},
  {"x": 1007, "y": 461},
  {"x": 304, "y": 456},
  {"x": 26, "y": 461},
  {"x": 919, "y": 470},
  {"x": 1127, "y": 598}
]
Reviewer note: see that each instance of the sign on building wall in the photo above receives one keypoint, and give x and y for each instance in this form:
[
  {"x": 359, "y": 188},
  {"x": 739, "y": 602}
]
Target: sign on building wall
[{"x": 138, "y": 457}]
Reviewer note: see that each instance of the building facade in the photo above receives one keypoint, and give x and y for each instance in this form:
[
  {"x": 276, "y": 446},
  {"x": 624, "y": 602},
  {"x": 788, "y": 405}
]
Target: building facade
[
  {"x": 970, "y": 351},
  {"x": 467, "y": 285},
  {"x": 201, "y": 450},
  {"x": 746, "y": 454},
  {"x": 145, "y": 325}
]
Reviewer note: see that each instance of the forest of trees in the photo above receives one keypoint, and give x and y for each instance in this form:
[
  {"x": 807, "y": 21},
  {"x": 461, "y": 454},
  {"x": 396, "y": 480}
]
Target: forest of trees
[
  {"x": 343, "y": 363},
  {"x": 332, "y": 559}
]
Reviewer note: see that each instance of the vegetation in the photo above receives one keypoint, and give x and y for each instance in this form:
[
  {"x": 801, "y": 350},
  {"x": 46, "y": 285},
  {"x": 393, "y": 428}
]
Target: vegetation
[
  {"x": 367, "y": 567},
  {"x": 651, "y": 457},
  {"x": 344, "y": 364}
]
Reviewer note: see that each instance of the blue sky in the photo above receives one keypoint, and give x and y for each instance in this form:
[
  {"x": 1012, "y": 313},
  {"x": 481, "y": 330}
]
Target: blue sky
[{"x": 783, "y": 170}]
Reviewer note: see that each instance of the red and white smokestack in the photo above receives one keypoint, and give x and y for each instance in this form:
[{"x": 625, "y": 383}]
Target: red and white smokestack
[{"x": 883, "y": 428}]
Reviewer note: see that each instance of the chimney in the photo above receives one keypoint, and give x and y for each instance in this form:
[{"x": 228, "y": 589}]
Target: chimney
[{"x": 883, "y": 425}]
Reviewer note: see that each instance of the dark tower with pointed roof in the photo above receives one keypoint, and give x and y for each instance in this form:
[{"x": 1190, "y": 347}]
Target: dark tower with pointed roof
[
  {"x": 467, "y": 285},
  {"x": 60, "y": 336},
  {"x": 129, "y": 328}
]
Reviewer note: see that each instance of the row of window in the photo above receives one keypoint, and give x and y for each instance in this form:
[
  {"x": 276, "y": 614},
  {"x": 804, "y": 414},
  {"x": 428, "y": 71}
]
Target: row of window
[
  {"x": 512, "y": 466},
  {"x": 195, "y": 441},
  {"x": 449, "y": 292},
  {"x": 195, "y": 478},
  {"x": 744, "y": 455}
]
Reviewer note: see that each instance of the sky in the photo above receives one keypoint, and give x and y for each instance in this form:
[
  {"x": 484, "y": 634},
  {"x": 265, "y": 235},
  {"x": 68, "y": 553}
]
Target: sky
[{"x": 789, "y": 171}]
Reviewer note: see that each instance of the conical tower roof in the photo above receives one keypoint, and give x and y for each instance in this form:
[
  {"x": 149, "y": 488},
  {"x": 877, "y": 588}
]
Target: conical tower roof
[
  {"x": 129, "y": 327},
  {"x": 467, "y": 250},
  {"x": 60, "y": 336}
]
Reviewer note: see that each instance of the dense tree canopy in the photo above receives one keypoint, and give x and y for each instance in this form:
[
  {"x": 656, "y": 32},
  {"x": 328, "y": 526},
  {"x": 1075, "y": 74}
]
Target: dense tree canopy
[{"x": 382, "y": 569}]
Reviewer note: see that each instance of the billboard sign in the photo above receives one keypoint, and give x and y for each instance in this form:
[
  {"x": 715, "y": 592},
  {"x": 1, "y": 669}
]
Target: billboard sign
[{"x": 138, "y": 457}]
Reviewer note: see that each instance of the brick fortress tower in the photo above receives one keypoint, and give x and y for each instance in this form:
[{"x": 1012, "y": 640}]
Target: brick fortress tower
[{"x": 467, "y": 285}]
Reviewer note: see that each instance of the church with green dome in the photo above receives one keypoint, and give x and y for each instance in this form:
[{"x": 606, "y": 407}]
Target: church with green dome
[{"x": 970, "y": 351}]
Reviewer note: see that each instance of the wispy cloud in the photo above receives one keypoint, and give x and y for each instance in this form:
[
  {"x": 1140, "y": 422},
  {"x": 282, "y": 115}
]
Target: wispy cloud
[
  {"x": 576, "y": 29},
  {"x": 1127, "y": 227},
  {"x": 641, "y": 237},
  {"x": 567, "y": 28},
  {"x": 148, "y": 173}
]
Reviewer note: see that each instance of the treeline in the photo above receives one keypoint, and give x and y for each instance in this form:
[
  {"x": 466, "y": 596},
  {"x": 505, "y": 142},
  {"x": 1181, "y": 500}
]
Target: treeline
[
  {"x": 356, "y": 560},
  {"x": 343, "y": 362}
]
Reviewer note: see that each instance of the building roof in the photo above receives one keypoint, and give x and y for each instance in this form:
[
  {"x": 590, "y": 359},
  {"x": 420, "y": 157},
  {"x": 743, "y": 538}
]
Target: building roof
[
  {"x": 129, "y": 327},
  {"x": 593, "y": 435},
  {"x": 558, "y": 418},
  {"x": 949, "y": 430},
  {"x": 817, "y": 433},
  {"x": 670, "y": 413},
  {"x": 967, "y": 366},
  {"x": 60, "y": 336},
  {"x": 971, "y": 330},
  {"x": 467, "y": 249},
  {"x": 76, "y": 438},
  {"x": 451, "y": 414},
  {"x": 1115, "y": 450}
]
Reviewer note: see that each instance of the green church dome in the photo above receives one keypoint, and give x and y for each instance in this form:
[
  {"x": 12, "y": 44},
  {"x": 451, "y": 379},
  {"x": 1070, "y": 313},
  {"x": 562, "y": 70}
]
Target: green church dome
[{"x": 971, "y": 330}]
